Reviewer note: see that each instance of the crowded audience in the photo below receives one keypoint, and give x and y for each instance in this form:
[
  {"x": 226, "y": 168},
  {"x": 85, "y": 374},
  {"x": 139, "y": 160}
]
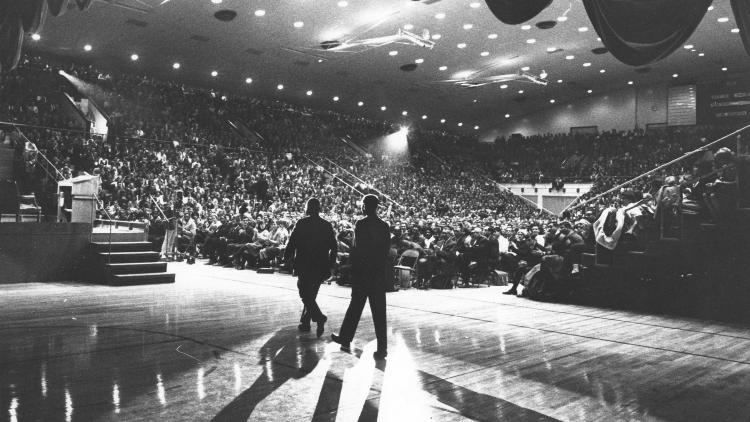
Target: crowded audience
[{"x": 230, "y": 193}]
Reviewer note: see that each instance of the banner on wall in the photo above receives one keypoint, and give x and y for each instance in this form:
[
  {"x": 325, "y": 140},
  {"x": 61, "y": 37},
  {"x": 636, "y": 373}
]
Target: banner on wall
[{"x": 724, "y": 102}]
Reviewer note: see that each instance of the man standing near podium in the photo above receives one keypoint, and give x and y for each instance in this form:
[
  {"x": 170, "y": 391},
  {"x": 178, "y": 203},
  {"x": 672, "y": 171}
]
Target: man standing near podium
[
  {"x": 369, "y": 258},
  {"x": 313, "y": 246}
]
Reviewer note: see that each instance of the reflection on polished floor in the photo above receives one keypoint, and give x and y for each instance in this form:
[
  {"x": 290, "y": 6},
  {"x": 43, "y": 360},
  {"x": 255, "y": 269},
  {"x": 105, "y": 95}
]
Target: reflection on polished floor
[{"x": 223, "y": 345}]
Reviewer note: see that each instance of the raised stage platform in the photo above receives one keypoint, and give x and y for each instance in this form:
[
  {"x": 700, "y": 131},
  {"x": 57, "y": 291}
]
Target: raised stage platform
[
  {"x": 222, "y": 344},
  {"x": 42, "y": 252}
]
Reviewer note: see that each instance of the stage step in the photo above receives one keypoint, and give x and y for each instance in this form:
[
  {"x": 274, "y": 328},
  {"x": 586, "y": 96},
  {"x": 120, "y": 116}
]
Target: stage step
[
  {"x": 136, "y": 267},
  {"x": 123, "y": 246},
  {"x": 144, "y": 278},
  {"x": 122, "y": 257},
  {"x": 126, "y": 263}
]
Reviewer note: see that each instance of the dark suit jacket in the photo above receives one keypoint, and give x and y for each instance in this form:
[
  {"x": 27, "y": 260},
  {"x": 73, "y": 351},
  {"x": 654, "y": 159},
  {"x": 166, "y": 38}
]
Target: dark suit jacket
[
  {"x": 369, "y": 256},
  {"x": 313, "y": 246}
]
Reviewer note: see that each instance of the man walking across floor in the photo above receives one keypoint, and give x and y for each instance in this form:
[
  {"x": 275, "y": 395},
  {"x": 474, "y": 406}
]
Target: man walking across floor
[
  {"x": 313, "y": 246},
  {"x": 369, "y": 259}
]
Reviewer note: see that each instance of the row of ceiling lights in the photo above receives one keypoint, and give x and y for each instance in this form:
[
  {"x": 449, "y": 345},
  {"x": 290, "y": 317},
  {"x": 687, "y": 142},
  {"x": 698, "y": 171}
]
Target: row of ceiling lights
[{"x": 300, "y": 24}]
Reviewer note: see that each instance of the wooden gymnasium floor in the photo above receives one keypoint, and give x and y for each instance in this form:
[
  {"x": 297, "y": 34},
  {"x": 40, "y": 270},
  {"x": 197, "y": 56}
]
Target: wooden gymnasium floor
[{"x": 223, "y": 344}]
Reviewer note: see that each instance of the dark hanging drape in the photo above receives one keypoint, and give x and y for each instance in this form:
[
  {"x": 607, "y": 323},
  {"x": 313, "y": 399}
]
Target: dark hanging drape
[
  {"x": 514, "y": 12},
  {"x": 11, "y": 37},
  {"x": 57, "y": 7},
  {"x": 638, "y": 32},
  {"x": 741, "y": 10},
  {"x": 84, "y": 4},
  {"x": 26, "y": 16}
]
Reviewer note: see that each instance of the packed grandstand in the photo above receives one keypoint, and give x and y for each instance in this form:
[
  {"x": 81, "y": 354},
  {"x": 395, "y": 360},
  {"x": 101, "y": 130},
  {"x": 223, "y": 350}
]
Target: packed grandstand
[{"x": 228, "y": 175}]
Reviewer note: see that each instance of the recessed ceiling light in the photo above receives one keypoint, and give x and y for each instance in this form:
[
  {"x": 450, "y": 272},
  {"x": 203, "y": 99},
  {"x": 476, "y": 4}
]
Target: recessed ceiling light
[
  {"x": 440, "y": 16},
  {"x": 280, "y": 87},
  {"x": 551, "y": 49},
  {"x": 503, "y": 86},
  {"x": 468, "y": 26},
  {"x": 484, "y": 53},
  {"x": 559, "y": 81},
  {"x": 526, "y": 27},
  {"x": 404, "y": 113},
  {"x": 461, "y": 45},
  {"x": 309, "y": 93},
  {"x": 442, "y": 120},
  {"x": 299, "y": 24},
  {"x": 216, "y": 1},
  {"x": 602, "y": 71},
  {"x": 424, "y": 117},
  {"x": 134, "y": 57},
  {"x": 507, "y": 116},
  {"x": 335, "y": 98},
  {"x": 474, "y": 5},
  {"x": 436, "y": 36},
  {"x": 408, "y": 27},
  {"x": 525, "y": 68},
  {"x": 443, "y": 68},
  {"x": 214, "y": 73},
  {"x": 630, "y": 82},
  {"x": 675, "y": 75},
  {"x": 176, "y": 65},
  {"x": 562, "y": 18},
  {"x": 248, "y": 80},
  {"x": 570, "y": 57},
  {"x": 520, "y": 91},
  {"x": 342, "y": 3},
  {"x": 552, "y": 101},
  {"x": 460, "y": 124},
  {"x": 589, "y": 91},
  {"x": 701, "y": 54},
  {"x": 492, "y": 36},
  {"x": 587, "y": 64},
  {"x": 583, "y": 29},
  {"x": 710, "y": 8},
  {"x": 724, "y": 69},
  {"x": 382, "y": 108},
  {"x": 87, "y": 47},
  {"x": 419, "y": 61},
  {"x": 736, "y": 30},
  {"x": 531, "y": 41},
  {"x": 474, "y": 100},
  {"x": 392, "y": 53},
  {"x": 476, "y": 127},
  {"x": 722, "y": 20},
  {"x": 599, "y": 39},
  {"x": 260, "y": 12},
  {"x": 688, "y": 46},
  {"x": 36, "y": 37},
  {"x": 360, "y": 104}
]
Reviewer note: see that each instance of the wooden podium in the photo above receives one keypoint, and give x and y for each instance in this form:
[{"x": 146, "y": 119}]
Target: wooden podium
[{"x": 83, "y": 190}]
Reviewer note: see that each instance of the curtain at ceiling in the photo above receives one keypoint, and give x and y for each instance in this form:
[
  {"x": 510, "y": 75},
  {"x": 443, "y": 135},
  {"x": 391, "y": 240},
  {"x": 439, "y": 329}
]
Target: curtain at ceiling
[
  {"x": 638, "y": 32},
  {"x": 11, "y": 39},
  {"x": 741, "y": 10},
  {"x": 26, "y": 16},
  {"x": 33, "y": 13},
  {"x": 84, "y": 4},
  {"x": 514, "y": 12},
  {"x": 57, "y": 7}
]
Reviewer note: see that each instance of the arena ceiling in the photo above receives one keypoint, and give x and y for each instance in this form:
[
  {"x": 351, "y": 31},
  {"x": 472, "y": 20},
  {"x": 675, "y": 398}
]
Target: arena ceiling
[{"x": 275, "y": 43}]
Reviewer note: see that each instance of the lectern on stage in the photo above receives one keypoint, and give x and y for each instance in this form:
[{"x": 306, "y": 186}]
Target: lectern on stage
[{"x": 78, "y": 198}]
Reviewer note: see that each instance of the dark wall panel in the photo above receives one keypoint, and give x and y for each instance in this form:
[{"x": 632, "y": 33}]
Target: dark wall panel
[{"x": 39, "y": 252}]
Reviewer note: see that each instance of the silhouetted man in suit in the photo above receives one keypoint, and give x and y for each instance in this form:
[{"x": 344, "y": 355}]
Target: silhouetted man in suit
[
  {"x": 369, "y": 258},
  {"x": 313, "y": 246}
]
